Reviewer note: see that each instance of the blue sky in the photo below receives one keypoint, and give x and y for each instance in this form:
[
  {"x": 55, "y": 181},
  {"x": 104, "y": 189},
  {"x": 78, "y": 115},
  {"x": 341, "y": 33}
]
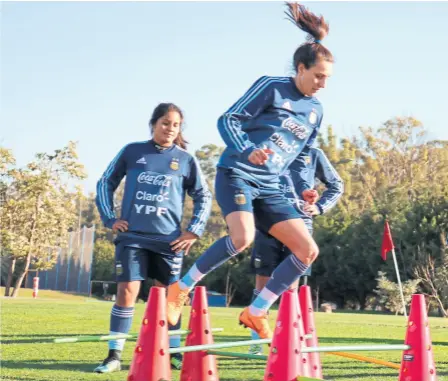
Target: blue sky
[{"x": 93, "y": 72}]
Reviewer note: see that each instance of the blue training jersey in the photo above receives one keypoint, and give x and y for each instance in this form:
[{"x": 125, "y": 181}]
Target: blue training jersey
[
  {"x": 154, "y": 192},
  {"x": 312, "y": 164},
  {"x": 272, "y": 114}
]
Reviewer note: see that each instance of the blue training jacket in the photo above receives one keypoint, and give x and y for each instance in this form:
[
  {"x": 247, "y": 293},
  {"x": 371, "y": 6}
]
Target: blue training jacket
[
  {"x": 273, "y": 114},
  {"x": 156, "y": 183}
]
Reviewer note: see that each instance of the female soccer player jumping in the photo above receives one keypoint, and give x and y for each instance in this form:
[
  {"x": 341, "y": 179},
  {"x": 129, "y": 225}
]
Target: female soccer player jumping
[{"x": 265, "y": 130}]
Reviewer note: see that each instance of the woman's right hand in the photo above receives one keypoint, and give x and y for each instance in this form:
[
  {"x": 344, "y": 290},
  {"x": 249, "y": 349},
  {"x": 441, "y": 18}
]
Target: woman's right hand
[
  {"x": 260, "y": 156},
  {"x": 120, "y": 225},
  {"x": 310, "y": 196}
]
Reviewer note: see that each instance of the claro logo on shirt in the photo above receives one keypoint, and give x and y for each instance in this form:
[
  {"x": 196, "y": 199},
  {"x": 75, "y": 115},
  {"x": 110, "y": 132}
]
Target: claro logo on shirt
[
  {"x": 283, "y": 144},
  {"x": 149, "y": 178},
  {"x": 299, "y": 131}
]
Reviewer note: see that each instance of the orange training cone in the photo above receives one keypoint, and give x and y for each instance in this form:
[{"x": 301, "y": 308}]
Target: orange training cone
[
  {"x": 285, "y": 354},
  {"x": 418, "y": 362},
  {"x": 199, "y": 366},
  {"x": 306, "y": 305},
  {"x": 151, "y": 361}
]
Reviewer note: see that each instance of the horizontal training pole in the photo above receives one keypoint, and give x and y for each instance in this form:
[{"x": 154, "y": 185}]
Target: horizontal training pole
[
  {"x": 347, "y": 348},
  {"x": 366, "y": 359},
  {"x": 355, "y": 348},
  {"x": 87, "y": 339},
  {"x": 230, "y": 344}
]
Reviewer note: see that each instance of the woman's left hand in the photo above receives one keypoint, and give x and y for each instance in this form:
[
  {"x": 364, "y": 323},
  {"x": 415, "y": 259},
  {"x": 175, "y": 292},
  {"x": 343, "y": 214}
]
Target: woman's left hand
[
  {"x": 184, "y": 242},
  {"x": 311, "y": 209}
]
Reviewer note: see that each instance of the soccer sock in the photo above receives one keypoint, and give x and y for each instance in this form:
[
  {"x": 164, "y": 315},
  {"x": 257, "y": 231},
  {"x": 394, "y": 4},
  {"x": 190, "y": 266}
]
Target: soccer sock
[
  {"x": 254, "y": 335},
  {"x": 283, "y": 276},
  {"x": 120, "y": 323},
  {"x": 217, "y": 254},
  {"x": 175, "y": 340}
]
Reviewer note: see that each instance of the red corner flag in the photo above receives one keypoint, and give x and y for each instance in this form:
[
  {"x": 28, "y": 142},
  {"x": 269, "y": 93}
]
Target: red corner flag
[{"x": 387, "y": 244}]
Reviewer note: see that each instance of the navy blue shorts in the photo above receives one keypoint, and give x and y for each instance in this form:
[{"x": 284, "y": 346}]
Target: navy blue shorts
[
  {"x": 268, "y": 253},
  {"x": 133, "y": 263},
  {"x": 269, "y": 205}
]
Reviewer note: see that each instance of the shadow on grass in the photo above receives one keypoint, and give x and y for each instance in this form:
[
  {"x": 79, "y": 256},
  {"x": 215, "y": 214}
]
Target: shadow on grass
[
  {"x": 357, "y": 376},
  {"x": 226, "y": 339},
  {"x": 357, "y": 340},
  {"x": 48, "y": 365},
  {"x": 367, "y": 340}
]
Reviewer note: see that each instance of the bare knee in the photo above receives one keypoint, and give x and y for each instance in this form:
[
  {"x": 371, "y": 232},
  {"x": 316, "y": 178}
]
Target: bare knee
[
  {"x": 127, "y": 293},
  {"x": 307, "y": 253},
  {"x": 242, "y": 239}
]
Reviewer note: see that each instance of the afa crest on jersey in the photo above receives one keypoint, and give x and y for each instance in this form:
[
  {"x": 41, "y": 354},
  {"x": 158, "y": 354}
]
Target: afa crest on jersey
[
  {"x": 240, "y": 199},
  {"x": 307, "y": 160},
  {"x": 174, "y": 165},
  {"x": 313, "y": 116},
  {"x": 118, "y": 269}
]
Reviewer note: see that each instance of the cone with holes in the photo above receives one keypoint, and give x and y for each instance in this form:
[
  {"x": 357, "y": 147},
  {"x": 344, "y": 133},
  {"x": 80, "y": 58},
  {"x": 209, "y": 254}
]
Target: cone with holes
[
  {"x": 199, "y": 366},
  {"x": 284, "y": 360},
  {"x": 306, "y": 305},
  {"x": 151, "y": 360},
  {"x": 305, "y": 364},
  {"x": 418, "y": 362}
]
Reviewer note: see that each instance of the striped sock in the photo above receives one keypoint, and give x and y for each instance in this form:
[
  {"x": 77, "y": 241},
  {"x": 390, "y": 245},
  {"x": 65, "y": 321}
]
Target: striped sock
[
  {"x": 120, "y": 323},
  {"x": 254, "y": 335},
  {"x": 286, "y": 273},
  {"x": 190, "y": 279},
  {"x": 217, "y": 254}
]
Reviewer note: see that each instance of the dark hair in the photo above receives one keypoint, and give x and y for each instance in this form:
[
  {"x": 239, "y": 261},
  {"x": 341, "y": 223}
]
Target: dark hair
[
  {"x": 161, "y": 110},
  {"x": 316, "y": 28}
]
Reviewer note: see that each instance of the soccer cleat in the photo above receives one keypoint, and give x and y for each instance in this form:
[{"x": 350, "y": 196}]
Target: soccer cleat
[
  {"x": 109, "y": 365},
  {"x": 258, "y": 323},
  {"x": 176, "y": 299},
  {"x": 176, "y": 361},
  {"x": 255, "y": 349}
]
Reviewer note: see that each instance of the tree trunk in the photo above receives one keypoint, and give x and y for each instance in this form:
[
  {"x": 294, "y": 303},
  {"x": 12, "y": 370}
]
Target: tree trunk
[
  {"x": 19, "y": 280},
  {"x": 230, "y": 290},
  {"x": 12, "y": 266},
  {"x": 442, "y": 311}
]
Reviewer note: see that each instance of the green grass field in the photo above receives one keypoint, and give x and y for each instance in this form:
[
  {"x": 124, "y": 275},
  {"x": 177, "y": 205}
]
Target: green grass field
[{"x": 26, "y": 321}]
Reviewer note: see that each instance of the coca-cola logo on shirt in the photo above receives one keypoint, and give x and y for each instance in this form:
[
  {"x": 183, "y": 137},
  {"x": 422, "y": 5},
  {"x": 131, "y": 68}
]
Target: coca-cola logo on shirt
[
  {"x": 151, "y": 179},
  {"x": 300, "y": 131}
]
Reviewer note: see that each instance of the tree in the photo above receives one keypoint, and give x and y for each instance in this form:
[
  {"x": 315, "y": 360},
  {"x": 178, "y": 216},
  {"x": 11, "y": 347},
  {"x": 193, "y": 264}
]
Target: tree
[
  {"x": 7, "y": 161},
  {"x": 424, "y": 243},
  {"x": 208, "y": 155},
  {"x": 39, "y": 209},
  {"x": 388, "y": 172},
  {"x": 103, "y": 266},
  {"x": 389, "y": 293}
]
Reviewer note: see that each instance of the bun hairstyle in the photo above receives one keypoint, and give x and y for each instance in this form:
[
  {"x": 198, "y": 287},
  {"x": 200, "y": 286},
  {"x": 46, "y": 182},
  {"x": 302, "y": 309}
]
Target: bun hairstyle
[{"x": 316, "y": 29}]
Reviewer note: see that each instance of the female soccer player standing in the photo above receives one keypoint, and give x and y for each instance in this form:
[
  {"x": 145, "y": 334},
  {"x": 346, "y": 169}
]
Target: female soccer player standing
[
  {"x": 150, "y": 243},
  {"x": 265, "y": 131}
]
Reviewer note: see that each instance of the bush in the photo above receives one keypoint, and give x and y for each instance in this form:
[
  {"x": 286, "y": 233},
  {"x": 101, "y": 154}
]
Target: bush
[
  {"x": 389, "y": 293},
  {"x": 103, "y": 267}
]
